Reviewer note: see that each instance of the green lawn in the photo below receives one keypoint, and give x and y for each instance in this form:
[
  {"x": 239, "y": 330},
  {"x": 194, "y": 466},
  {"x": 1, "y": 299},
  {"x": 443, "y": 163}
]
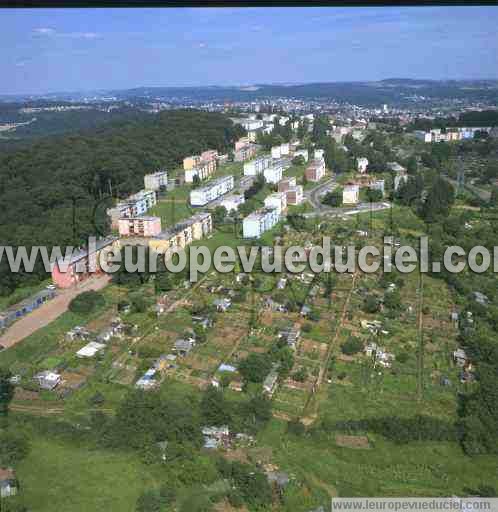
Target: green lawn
[{"x": 73, "y": 479}]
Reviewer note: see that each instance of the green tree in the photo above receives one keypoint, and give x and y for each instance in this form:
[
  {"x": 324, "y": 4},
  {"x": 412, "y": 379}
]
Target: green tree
[
  {"x": 218, "y": 215},
  {"x": 352, "y": 346},
  {"x": 6, "y": 391},
  {"x": 14, "y": 447},
  {"x": 215, "y": 410},
  {"x": 87, "y": 302},
  {"x": 255, "y": 367}
]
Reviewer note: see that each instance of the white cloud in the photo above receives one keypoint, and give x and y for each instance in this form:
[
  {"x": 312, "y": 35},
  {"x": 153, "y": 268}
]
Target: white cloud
[
  {"x": 82, "y": 35},
  {"x": 44, "y": 31},
  {"x": 202, "y": 45},
  {"x": 50, "y": 32}
]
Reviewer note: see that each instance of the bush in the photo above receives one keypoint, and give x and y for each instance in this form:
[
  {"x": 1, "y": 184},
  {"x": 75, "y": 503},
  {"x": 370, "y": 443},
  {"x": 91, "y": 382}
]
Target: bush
[
  {"x": 86, "y": 303},
  {"x": 352, "y": 346},
  {"x": 403, "y": 357},
  {"x": 371, "y": 304},
  {"x": 13, "y": 448},
  {"x": 307, "y": 328},
  {"x": 296, "y": 428},
  {"x": 301, "y": 375}
]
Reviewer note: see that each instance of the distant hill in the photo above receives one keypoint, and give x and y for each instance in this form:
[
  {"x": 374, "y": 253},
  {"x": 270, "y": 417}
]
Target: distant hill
[{"x": 368, "y": 93}]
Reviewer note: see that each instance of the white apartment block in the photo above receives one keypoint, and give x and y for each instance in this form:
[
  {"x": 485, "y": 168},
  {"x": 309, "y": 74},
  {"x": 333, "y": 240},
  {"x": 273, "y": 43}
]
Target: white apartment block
[
  {"x": 362, "y": 164},
  {"x": 232, "y": 202},
  {"x": 251, "y": 124},
  {"x": 210, "y": 192},
  {"x": 273, "y": 174},
  {"x": 284, "y": 149},
  {"x": 256, "y": 166},
  {"x": 277, "y": 200},
  {"x": 351, "y": 194},
  {"x": 450, "y": 135},
  {"x": 276, "y": 152},
  {"x": 156, "y": 180},
  {"x": 319, "y": 154},
  {"x": 255, "y": 224}
]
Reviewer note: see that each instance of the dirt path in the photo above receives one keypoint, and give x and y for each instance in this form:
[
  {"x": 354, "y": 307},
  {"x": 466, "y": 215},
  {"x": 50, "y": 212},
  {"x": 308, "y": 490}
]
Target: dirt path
[
  {"x": 49, "y": 311},
  {"x": 325, "y": 362}
]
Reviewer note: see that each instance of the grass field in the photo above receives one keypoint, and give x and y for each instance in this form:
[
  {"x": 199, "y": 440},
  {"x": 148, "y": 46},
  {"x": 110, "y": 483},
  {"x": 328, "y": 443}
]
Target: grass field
[{"x": 75, "y": 479}]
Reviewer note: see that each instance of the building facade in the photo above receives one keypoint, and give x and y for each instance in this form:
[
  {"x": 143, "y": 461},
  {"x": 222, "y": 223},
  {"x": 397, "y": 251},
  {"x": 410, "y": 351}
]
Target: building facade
[
  {"x": 351, "y": 193},
  {"x": 232, "y": 202},
  {"x": 210, "y": 192},
  {"x": 156, "y": 181},
  {"x": 277, "y": 200},
  {"x": 83, "y": 264},
  {"x": 315, "y": 171},
  {"x": 295, "y": 195},
  {"x": 273, "y": 174},
  {"x": 362, "y": 165},
  {"x": 183, "y": 233},
  {"x": 255, "y": 224},
  {"x": 256, "y": 166},
  {"x": 286, "y": 183},
  {"x": 139, "y": 226}
]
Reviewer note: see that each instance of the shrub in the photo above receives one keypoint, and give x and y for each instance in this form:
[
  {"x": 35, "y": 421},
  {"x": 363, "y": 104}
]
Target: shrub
[
  {"x": 371, "y": 304},
  {"x": 87, "y": 302},
  {"x": 352, "y": 346}
]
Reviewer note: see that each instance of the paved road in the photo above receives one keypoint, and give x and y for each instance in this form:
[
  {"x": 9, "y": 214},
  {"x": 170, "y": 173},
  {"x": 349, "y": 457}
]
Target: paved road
[
  {"x": 353, "y": 210},
  {"x": 49, "y": 311},
  {"x": 314, "y": 197},
  {"x": 315, "y": 194}
]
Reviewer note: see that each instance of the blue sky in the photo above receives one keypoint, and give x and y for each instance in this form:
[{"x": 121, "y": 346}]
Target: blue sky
[{"x": 47, "y": 50}]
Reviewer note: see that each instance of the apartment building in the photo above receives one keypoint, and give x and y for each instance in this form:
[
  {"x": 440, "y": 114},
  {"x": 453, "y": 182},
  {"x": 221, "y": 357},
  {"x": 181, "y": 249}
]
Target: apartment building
[
  {"x": 136, "y": 205},
  {"x": 362, "y": 165},
  {"x": 286, "y": 183},
  {"x": 232, "y": 202},
  {"x": 319, "y": 154},
  {"x": 83, "y": 263},
  {"x": 276, "y": 152},
  {"x": 203, "y": 165},
  {"x": 213, "y": 190},
  {"x": 449, "y": 135},
  {"x": 258, "y": 222},
  {"x": 284, "y": 149},
  {"x": 284, "y": 161},
  {"x": 139, "y": 226},
  {"x": 315, "y": 171},
  {"x": 244, "y": 150},
  {"x": 182, "y": 233},
  {"x": 251, "y": 124},
  {"x": 156, "y": 180},
  {"x": 277, "y": 200},
  {"x": 294, "y": 195},
  {"x": 273, "y": 174},
  {"x": 256, "y": 166},
  {"x": 351, "y": 193}
]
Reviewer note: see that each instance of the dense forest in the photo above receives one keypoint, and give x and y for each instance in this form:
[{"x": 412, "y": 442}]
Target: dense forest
[
  {"x": 470, "y": 119},
  {"x": 53, "y": 191}
]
